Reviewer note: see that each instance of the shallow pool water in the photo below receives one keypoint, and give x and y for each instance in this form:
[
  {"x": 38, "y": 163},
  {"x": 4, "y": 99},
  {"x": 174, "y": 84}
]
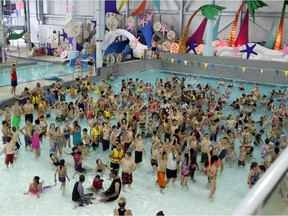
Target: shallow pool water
[
  {"x": 144, "y": 198},
  {"x": 31, "y": 72}
]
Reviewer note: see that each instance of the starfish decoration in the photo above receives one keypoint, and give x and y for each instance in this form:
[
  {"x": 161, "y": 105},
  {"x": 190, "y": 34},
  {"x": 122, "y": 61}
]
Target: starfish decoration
[
  {"x": 94, "y": 23},
  {"x": 131, "y": 26},
  {"x": 70, "y": 7},
  {"x": 149, "y": 17},
  {"x": 249, "y": 50},
  {"x": 193, "y": 47},
  {"x": 284, "y": 51},
  {"x": 50, "y": 50},
  {"x": 222, "y": 43},
  {"x": 163, "y": 29},
  {"x": 236, "y": 50},
  {"x": 59, "y": 50},
  {"x": 79, "y": 47},
  {"x": 70, "y": 40},
  {"x": 142, "y": 22},
  {"x": 136, "y": 40},
  {"x": 64, "y": 35},
  {"x": 70, "y": 47}
]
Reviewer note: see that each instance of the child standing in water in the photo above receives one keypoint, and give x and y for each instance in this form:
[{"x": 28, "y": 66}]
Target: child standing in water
[
  {"x": 35, "y": 144},
  {"x": 162, "y": 171},
  {"x": 62, "y": 174},
  {"x": 10, "y": 150},
  {"x": 185, "y": 172},
  {"x": 212, "y": 174},
  {"x": 139, "y": 148}
]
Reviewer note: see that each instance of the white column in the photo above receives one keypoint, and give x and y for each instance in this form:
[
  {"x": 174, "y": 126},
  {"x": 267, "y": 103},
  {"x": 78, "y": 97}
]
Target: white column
[
  {"x": 208, "y": 50},
  {"x": 100, "y": 31},
  {"x": 2, "y": 32}
]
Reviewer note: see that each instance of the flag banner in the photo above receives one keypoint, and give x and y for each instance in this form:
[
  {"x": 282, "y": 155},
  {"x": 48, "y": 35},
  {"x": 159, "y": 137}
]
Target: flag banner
[{"x": 243, "y": 69}]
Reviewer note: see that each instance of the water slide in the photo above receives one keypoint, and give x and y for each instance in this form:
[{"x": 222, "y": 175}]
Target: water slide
[{"x": 112, "y": 35}]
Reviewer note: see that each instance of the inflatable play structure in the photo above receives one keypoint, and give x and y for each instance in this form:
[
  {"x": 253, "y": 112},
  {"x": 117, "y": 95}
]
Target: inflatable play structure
[{"x": 136, "y": 46}]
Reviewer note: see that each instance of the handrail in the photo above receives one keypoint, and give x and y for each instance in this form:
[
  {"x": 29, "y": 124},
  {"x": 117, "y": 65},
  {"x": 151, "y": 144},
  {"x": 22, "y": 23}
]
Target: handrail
[{"x": 259, "y": 194}]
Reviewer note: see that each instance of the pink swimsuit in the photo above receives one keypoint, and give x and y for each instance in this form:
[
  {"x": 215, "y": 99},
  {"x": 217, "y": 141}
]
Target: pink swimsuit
[{"x": 35, "y": 141}]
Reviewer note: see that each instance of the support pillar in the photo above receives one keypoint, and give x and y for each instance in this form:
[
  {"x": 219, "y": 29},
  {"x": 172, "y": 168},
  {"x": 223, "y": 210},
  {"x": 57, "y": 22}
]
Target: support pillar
[
  {"x": 2, "y": 40},
  {"x": 208, "y": 50},
  {"x": 73, "y": 53},
  {"x": 27, "y": 20},
  {"x": 100, "y": 31}
]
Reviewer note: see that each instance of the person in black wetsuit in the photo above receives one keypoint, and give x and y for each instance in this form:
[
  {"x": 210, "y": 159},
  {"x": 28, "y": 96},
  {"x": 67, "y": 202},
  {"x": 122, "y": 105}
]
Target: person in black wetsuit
[
  {"x": 78, "y": 193},
  {"x": 114, "y": 190},
  {"x": 122, "y": 211}
]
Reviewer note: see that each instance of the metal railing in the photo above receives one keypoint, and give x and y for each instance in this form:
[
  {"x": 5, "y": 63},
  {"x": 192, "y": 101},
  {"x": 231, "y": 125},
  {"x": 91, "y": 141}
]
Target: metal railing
[{"x": 265, "y": 192}]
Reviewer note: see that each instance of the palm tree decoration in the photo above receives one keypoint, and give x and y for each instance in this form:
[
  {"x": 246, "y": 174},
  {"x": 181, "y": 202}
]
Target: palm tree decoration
[
  {"x": 209, "y": 11},
  {"x": 278, "y": 42},
  {"x": 252, "y": 6}
]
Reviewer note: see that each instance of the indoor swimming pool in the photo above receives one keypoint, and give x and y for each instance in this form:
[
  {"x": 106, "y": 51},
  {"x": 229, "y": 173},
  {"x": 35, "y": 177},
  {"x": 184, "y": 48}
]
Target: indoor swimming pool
[
  {"x": 32, "y": 72},
  {"x": 144, "y": 197}
]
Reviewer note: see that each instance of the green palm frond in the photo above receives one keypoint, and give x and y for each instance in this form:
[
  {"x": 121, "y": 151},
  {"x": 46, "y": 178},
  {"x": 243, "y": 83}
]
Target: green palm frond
[
  {"x": 254, "y": 5},
  {"x": 210, "y": 11}
]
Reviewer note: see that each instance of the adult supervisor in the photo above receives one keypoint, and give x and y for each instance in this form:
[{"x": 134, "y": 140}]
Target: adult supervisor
[{"x": 114, "y": 190}]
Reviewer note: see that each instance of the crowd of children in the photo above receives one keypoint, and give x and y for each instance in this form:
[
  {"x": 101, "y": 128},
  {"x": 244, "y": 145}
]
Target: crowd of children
[{"x": 179, "y": 121}]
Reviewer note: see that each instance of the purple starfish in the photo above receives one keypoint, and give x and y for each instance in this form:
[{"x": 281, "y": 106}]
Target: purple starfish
[
  {"x": 50, "y": 50},
  {"x": 193, "y": 47},
  {"x": 70, "y": 40},
  {"x": 64, "y": 35},
  {"x": 94, "y": 23},
  {"x": 249, "y": 50}
]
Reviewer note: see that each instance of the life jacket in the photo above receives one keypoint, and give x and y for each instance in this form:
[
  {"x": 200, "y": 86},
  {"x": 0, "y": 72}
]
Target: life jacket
[{"x": 116, "y": 154}]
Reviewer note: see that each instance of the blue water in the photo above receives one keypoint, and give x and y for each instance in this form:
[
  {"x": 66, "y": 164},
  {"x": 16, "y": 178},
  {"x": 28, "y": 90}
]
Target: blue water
[
  {"x": 33, "y": 72},
  {"x": 144, "y": 198}
]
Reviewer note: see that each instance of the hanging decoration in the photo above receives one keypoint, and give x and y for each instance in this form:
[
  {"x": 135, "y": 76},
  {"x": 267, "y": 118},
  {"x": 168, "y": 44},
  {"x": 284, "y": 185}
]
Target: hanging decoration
[
  {"x": 149, "y": 17},
  {"x": 284, "y": 51},
  {"x": 216, "y": 28},
  {"x": 123, "y": 2},
  {"x": 110, "y": 6},
  {"x": 130, "y": 26},
  {"x": 243, "y": 34},
  {"x": 236, "y": 50},
  {"x": 213, "y": 65},
  {"x": 163, "y": 29},
  {"x": 249, "y": 50},
  {"x": 157, "y": 4},
  {"x": 279, "y": 36},
  {"x": 193, "y": 46},
  {"x": 70, "y": 7},
  {"x": 64, "y": 35},
  {"x": 140, "y": 9},
  {"x": 94, "y": 23},
  {"x": 142, "y": 22},
  {"x": 148, "y": 34},
  {"x": 198, "y": 34},
  {"x": 272, "y": 35}
]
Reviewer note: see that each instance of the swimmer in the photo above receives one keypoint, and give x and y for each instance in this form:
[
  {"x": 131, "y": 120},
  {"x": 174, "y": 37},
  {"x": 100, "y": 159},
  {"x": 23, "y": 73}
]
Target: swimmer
[
  {"x": 36, "y": 187},
  {"x": 122, "y": 211},
  {"x": 62, "y": 174}
]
